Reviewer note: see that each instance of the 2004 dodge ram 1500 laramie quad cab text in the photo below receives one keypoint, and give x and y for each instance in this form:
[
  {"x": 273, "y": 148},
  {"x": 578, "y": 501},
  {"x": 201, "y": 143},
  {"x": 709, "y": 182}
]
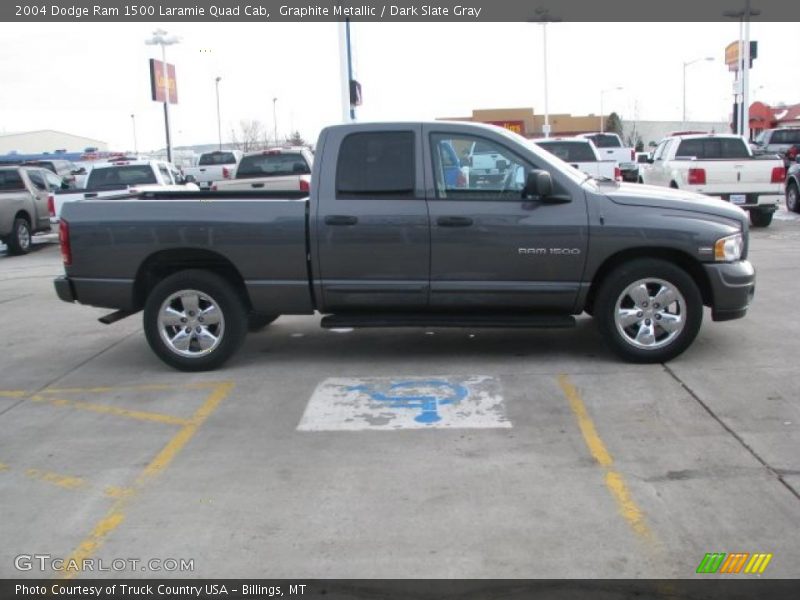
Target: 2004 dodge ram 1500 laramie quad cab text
[{"x": 386, "y": 239}]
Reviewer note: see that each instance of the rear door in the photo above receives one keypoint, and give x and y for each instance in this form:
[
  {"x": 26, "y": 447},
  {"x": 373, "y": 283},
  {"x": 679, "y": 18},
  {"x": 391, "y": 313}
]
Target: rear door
[
  {"x": 490, "y": 249},
  {"x": 371, "y": 230}
]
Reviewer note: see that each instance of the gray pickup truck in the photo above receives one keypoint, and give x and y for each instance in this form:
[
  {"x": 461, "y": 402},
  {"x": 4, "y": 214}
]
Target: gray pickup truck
[
  {"x": 25, "y": 201},
  {"x": 389, "y": 238}
]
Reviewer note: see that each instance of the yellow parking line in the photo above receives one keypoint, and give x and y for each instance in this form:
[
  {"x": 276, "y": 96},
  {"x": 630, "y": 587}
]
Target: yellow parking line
[
  {"x": 112, "y": 410},
  {"x": 116, "y": 514},
  {"x": 154, "y": 387},
  {"x": 614, "y": 480},
  {"x": 3, "y": 467},
  {"x": 63, "y": 481},
  {"x": 12, "y": 393}
]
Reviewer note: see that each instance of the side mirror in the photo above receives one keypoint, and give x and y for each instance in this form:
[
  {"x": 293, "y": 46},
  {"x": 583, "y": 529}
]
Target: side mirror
[
  {"x": 538, "y": 183},
  {"x": 650, "y": 160},
  {"x": 64, "y": 185}
]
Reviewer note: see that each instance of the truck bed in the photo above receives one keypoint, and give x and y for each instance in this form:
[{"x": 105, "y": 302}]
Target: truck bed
[{"x": 262, "y": 239}]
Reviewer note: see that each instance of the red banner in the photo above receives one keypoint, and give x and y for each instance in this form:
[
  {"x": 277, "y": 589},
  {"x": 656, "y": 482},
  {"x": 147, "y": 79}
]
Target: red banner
[{"x": 157, "y": 83}]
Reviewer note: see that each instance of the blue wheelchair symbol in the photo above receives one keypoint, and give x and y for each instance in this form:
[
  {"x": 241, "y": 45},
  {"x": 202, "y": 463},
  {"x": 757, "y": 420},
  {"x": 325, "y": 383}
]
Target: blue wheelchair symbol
[{"x": 428, "y": 403}]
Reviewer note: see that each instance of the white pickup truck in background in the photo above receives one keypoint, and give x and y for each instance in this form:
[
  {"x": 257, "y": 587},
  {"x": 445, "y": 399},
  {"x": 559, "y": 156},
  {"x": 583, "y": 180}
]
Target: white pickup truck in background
[
  {"x": 582, "y": 154},
  {"x": 214, "y": 166},
  {"x": 121, "y": 178},
  {"x": 610, "y": 147},
  {"x": 275, "y": 169},
  {"x": 720, "y": 165}
]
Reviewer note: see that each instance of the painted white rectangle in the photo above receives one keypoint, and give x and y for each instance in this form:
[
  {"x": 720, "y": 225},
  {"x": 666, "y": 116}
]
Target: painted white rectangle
[{"x": 383, "y": 403}]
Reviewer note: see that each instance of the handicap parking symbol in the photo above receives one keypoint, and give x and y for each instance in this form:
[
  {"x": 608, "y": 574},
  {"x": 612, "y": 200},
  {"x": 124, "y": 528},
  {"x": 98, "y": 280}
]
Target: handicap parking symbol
[{"x": 406, "y": 394}]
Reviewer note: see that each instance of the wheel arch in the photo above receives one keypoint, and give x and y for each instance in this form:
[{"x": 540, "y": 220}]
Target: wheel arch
[
  {"x": 164, "y": 263},
  {"x": 680, "y": 259}
]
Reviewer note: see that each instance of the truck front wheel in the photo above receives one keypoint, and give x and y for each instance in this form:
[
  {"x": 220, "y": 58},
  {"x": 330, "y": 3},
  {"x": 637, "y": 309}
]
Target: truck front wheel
[
  {"x": 19, "y": 241},
  {"x": 649, "y": 310},
  {"x": 194, "y": 320}
]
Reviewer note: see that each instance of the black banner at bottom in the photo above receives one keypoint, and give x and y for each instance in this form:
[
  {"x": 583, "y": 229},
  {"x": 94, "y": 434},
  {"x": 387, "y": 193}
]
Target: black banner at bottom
[{"x": 406, "y": 589}]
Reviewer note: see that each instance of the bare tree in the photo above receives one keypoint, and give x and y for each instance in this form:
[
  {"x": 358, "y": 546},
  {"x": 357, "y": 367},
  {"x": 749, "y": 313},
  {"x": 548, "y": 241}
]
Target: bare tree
[
  {"x": 250, "y": 136},
  {"x": 296, "y": 139}
]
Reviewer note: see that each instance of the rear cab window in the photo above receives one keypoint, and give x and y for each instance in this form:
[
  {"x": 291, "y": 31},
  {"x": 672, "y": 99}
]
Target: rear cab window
[
  {"x": 712, "y": 148},
  {"x": 120, "y": 176},
  {"x": 605, "y": 140},
  {"x": 217, "y": 158},
  {"x": 11, "y": 181},
  {"x": 273, "y": 164},
  {"x": 379, "y": 164},
  {"x": 570, "y": 151}
]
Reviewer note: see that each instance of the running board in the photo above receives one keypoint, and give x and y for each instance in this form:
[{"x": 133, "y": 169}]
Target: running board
[
  {"x": 116, "y": 316},
  {"x": 500, "y": 320}
]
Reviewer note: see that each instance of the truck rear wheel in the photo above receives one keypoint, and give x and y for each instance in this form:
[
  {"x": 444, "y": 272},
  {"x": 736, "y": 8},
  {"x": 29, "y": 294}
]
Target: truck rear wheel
[
  {"x": 649, "y": 310},
  {"x": 19, "y": 240},
  {"x": 194, "y": 320},
  {"x": 792, "y": 199},
  {"x": 760, "y": 218}
]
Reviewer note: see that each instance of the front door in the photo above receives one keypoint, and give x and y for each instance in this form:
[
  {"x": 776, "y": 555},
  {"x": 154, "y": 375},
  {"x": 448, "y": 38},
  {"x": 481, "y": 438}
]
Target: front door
[{"x": 490, "y": 249}]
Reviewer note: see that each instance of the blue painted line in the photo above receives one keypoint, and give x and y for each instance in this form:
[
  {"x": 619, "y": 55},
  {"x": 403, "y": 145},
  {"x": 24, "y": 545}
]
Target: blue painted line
[{"x": 427, "y": 403}]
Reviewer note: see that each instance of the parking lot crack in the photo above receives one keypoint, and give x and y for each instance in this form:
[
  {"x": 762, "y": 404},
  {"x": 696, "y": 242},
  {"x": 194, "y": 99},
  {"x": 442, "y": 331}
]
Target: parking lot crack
[{"x": 773, "y": 471}]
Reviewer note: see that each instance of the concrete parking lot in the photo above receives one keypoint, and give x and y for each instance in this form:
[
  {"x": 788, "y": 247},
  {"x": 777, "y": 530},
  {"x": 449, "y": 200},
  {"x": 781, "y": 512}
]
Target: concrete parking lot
[{"x": 568, "y": 463}]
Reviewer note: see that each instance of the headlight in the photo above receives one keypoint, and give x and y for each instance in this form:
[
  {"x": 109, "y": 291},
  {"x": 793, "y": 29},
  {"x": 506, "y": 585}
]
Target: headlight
[{"x": 729, "y": 248}]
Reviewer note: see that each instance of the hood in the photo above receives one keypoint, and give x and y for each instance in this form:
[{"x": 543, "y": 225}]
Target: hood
[{"x": 636, "y": 194}]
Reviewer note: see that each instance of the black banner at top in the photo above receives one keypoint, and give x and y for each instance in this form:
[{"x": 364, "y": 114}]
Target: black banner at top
[{"x": 408, "y": 10}]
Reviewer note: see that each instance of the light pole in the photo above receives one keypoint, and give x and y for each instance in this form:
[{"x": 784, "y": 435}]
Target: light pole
[
  {"x": 275, "y": 120},
  {"x": 686, "y": 64},
  {"x": 543, "y": 18},
  {"x": 219, "y": 121},
  {"x": 135, "y": 144},
  {"x": 160, "y": 38},
  {"x": 603, "y": 93}
]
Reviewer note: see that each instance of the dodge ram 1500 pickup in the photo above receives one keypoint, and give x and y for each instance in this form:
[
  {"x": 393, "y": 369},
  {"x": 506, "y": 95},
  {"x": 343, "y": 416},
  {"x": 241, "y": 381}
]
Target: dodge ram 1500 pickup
[{"x": 387, "y": 239}]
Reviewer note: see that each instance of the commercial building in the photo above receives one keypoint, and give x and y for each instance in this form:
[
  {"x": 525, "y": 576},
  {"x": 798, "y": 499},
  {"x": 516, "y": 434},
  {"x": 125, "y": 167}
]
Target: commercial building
[
  {"x": 47, "y": 140},
  {"x": 763, "y": 116}
]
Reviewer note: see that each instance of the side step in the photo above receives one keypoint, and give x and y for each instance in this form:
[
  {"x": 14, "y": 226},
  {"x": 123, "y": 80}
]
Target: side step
[{"x": 477, "y": 320}]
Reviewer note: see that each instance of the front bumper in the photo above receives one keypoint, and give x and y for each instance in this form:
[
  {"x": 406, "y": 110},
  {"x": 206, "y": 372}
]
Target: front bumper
[
  {"x": 732, "y": 288},
  {"x": 64, "y": 289}
]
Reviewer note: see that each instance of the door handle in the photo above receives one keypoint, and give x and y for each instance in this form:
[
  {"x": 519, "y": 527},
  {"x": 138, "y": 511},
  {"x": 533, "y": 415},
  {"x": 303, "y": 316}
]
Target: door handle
[
  {"x": 257, "y": 185},
  {"x": 340, "y": 220},
  {"x": 454, "y": 221}
]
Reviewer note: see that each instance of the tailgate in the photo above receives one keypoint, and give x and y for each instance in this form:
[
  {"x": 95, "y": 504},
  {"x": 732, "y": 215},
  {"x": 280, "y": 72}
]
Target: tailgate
[
  {"x": 739, "y": 175},
  {"x": 269, "y": 184}
]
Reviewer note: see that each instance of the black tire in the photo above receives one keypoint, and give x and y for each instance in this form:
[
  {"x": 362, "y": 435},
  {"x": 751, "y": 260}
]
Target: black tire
[
  {"x": 655, "y": 271},
  {"x": 212, "y": 290},
  {"x": 19, "y": 240},
  {"x": 258, "y": 321},
  {"x": 792, "y": 198},
  {"x": 760, "y": 218}
]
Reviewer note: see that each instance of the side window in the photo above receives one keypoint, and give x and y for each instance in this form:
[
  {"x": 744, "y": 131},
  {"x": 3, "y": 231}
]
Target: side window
[
  {"x": 54, "y": 182},
  {"x": 486, "y": 171},
  {"x": 10, "y": 181},
  {"x": 659, "y": 151},
  {"x": 377, "y": 164},
  {"x": 37, "y": 179}
]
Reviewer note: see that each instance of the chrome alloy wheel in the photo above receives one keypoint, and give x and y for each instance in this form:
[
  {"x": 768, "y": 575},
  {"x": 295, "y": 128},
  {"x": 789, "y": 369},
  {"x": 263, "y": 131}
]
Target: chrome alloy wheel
[
  {"x": 24, "y": 236},
  {"x": 191, "y": 323},
  {"x": 650, "y": 313}
]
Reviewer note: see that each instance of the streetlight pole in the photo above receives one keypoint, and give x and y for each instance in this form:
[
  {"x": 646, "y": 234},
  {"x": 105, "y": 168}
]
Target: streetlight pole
[
  {"x": 275, "y": 120},
  {"x": 135, "y": 143},
  {"x": 543, "y": 18},
  {"x": 686, "y": 64},
  {"x": 160, "y": 38},
  {"x": 219, "y": 121},
  {"x": 603, "y": 93}
]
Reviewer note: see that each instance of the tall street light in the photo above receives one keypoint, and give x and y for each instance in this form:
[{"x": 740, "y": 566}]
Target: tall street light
[
  {"x": 219, "y": 121},
  {"x": 160, "y": 38},
  {"x": 603, "y": 93},
  {"x": 543, "y": 18},
  {"x": 686, "y": 64},
  {"x": 135, "y": 143},
  {"x": 275, "y": 120}
]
